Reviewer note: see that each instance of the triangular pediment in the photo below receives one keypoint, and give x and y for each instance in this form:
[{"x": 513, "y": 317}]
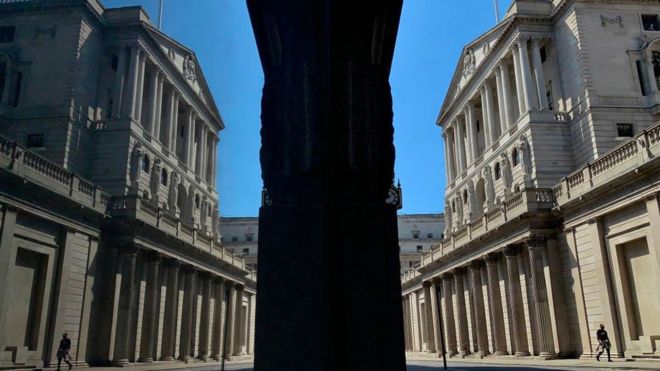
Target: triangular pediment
[
  {"x": 187, "y": 65},
  {"x": 472, "y": 56}
]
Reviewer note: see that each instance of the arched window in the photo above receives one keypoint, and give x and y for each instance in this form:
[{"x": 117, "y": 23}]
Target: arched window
[
  {"x": 163, "y": 177},
  {"x": 498, "y": 171},
  {"x": 146, "y": 163},
  {"x": 515, "y": 157}
]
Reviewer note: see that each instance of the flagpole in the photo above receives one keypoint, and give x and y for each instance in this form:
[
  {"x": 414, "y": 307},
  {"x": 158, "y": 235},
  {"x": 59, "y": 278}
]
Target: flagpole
[
  {"x": 497, "y": 11},
  {"x": 160, "y": 15}
]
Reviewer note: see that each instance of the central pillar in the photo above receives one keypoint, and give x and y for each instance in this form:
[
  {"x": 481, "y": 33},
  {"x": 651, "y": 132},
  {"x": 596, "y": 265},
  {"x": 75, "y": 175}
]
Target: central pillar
[{"x": 327, "y": 161}]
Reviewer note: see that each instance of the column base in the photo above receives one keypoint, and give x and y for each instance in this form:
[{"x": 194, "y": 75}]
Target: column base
[
  {"x": 120, "y": 362},
  {"x": 146, "y": 360},
  {"x": 547, "y": 356},
  {"x": 167, "y": 359},
  {"x": 522, "y": 354},
  {"x": 500, "y": 353},
  {"x": 203, "y": 357},
  {"x": 185, "y": 359}
]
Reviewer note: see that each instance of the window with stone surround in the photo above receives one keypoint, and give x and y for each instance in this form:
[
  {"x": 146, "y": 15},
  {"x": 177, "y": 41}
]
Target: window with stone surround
[
  {"x": 234, "y": 239},
  {"x": 146, "y": 163},
  {"x": 515, "y": 158},
  {"x": 429, "y": 235},
  {"x": 163, "y": 177},
  {"x": 624, "y": 130},
  {"x": 7, "y": 34},
  {"x": 35, "y": 141},
  {"x": 419, "y": 248},
  {"x": 650, "y": 22},
  {"x": 498, "y": 171},
  {"x": 246, "y": 251}
]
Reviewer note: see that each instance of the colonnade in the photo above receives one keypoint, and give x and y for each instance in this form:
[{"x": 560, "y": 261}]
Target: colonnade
[
  {"x": 497, "y": 304},
  {"x": 164, "y": 310},
  {"x": 483, "y": 119},
  {"x": 144, "y": 93}
]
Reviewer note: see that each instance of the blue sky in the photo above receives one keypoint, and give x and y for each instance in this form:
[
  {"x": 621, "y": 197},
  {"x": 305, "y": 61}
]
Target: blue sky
[{"x": 431, "y": 36}]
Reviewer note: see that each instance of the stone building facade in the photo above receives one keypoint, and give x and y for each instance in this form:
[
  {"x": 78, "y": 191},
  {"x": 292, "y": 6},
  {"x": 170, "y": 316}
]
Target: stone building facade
[
  {"x": 552, "y": 213},
  {"x": 241, "y": 236},
  {"x": 108, "y": 208},
  {"x": 417, "y": 234}
]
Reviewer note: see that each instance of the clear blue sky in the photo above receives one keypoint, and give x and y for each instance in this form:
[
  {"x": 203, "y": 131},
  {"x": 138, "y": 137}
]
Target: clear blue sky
[{"x": 431, "y": 36}]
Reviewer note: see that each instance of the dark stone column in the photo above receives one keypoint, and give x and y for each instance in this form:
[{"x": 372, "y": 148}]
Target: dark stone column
[
  {"x": 327, "y": 160},
  {"x": 171, "y": 304},
  {"x": 461, "y": 309},
  {"x": 150, "y": 301},
  {"x": 126, "y": 268},
  {"x": 205, "y": 324},
  {"x": 189, "y": 295},
  {"x": 495, "y": 305},
  {"x": 536, "y": 245},
  {"x": 519, "y": 332},
  {"x": 218, "y": 318},
  {"x": 230, "y": 321},
  {"x": 479, "y": 310}
]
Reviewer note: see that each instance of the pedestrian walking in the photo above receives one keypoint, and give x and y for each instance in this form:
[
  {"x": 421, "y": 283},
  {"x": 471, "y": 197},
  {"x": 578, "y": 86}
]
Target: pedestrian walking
[
  {"x": 603, "y": 343},
  {"x": 63, "y": 351}
]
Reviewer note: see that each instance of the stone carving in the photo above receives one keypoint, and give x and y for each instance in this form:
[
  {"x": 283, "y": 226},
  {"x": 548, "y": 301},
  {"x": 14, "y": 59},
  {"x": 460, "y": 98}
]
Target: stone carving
[
  {"x": 171, "y": 54},
  {"x": 173, "y": 193},
  {"x": 614, "y": 20},
  {"x": 448, "y": 219},
  {"x": 490, "y": 188},
  {"x": 459, "y": 211},
  {"x": 190, "y": 207},
  {"x": 136, "y": 163},
  {"x": 472, "y": 199},
  {"x": 524, "y": 155},
  {"x": 154, "y": 181},
  {"x": 203, "y": 215},
  {"x": 486, "y": 49},
  {"x": 469, "y": 63},
  {"x": 215, "y": 222},
  {"x": 505, "y": 168},
  {"x": 189, "y": 68}
]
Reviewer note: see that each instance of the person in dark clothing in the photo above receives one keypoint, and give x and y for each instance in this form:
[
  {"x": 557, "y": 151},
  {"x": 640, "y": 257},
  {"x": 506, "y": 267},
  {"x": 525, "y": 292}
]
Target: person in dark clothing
[
  {"x": 63, "y": 351},
  {"x": 603, "y": 343}
]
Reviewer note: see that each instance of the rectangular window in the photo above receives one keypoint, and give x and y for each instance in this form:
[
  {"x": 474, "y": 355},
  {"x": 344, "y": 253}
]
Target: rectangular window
[
  {"x": 544, "y": 54},
  {"x": 7, "y": 34},
  {"x": 415, "y": 234},
  {"x": 35, "y": 141},
  {"x": 650, "y": 22},
  {"x": 234, "y": 239},
  {"x": 246, "y": 251},
  {"x": 429, "y": 235},
  {"x": 624, "y": 130},
  {"x": 419, "y": 248},
  {"x": 15, "y": 89}
]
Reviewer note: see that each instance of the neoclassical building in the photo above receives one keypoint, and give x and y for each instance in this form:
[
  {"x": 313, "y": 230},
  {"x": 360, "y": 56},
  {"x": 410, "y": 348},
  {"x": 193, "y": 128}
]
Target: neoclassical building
[
  {"x": 109, "y": 225},
  {"x": 417, "y": 234},
  {"x": 241, "y": 236},
  {"x": 552, "y": 216}
]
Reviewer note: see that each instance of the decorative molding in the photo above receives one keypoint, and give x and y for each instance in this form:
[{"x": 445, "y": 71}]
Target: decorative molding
[{"x": 614, "y": 20}]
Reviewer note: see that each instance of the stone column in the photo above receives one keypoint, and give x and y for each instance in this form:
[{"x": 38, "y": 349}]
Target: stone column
[
  {"x": 139, "y": 94},
  {"x": 150, "y": 125},
  {"x": 652, "y": 82},
  {"x": 188, "y": 314},
  {"x": 230, "y": 322},
  {"x": 190, "y": 139},
  {"x": 428, "y": 319},
  {"x": 495, "y": 305},
  {"x": 521, "y": 348},
  {"x": 469, "y": 159},
  {"x": 536, "y": 245},
  {"x": 238, "y": 319},
  {"x": 327, "y": 161},
  {"x": 463, "y": 336},
  {"x": 156, "y": 119},
  {"x": 205, "y": 323},
  {"x": 174, "y": 123},
  {"x": 147, "y": 339},
  {"x": 448, "y": 172},
  {"x": 480, "y": 311},
  {"x": 171, "y": 304},
  {"x": 219, "y": 318},
  {"x": 460, "y": 139},
  {"x": 500, "y": 99},
  {"x": 452, "y": 155},
  {"x": 204, "y": 151},
  {"x": 120, "y": 83},
  {"x": 214, "y": 159},
  {"x": 128, "y": 102},
  {"x": 490, "y": 106},
  {"x": 506, "y": 95},
  {"x": 171, "y": 98},
  {"x": 471, "y": 130},
  {"x": 406, "y": 319},
  {"x": 526, "y": 74},
  {"x": 435, "y": 313},
  {"x": 538, "y": 74},
  {"x": 485, "y": 115},
  {"x": 450, "y": 323},
  {"x": 126, "y": 268}
]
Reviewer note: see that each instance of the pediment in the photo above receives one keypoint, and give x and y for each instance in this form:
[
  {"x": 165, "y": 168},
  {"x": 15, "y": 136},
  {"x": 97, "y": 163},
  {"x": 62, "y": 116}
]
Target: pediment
[{"x": 187, "y": 65}]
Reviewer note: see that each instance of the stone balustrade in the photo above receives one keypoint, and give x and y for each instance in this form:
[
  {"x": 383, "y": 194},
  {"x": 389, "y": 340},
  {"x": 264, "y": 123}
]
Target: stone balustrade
[
  {"x": 144, "y": 210},
  {"x": 520, "y": 203},
  {"x": 34, "y": 168},
  {"x": 621, "y": 160}
]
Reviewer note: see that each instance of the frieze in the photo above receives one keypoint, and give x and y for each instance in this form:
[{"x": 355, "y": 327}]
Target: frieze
[{"x": 614, "y": 20}]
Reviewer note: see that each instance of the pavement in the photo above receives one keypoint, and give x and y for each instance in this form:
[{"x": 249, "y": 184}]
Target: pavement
[{"x": 429, "y": 362}]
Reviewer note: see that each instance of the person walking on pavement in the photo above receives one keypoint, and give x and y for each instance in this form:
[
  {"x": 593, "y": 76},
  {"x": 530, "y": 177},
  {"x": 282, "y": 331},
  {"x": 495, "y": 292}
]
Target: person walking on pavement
[
  {"x": 603, "y": 343},
  {"x": 63, "y": 351}
]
